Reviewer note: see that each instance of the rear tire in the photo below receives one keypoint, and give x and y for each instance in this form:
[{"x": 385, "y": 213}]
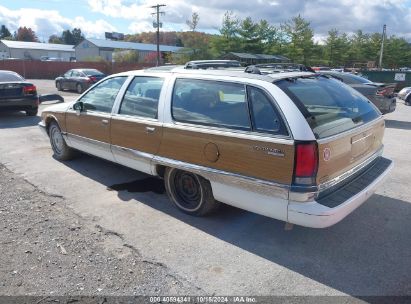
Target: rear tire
[
  {"x": 79, "y": 88},
  {"x": 189, "y": 192},
  {"x": 58, "y": 144},
  {"x": 32, "y": 112}
]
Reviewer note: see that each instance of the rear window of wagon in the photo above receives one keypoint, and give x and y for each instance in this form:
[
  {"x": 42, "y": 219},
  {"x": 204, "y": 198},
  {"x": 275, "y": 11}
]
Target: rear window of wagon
[{"x": 329, "y": 106}]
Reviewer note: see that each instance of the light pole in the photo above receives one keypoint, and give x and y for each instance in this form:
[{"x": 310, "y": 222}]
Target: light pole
[{"x": 158, "y": 25}]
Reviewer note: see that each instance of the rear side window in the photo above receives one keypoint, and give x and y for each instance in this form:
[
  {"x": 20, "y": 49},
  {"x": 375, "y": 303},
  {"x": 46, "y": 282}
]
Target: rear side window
[
  {"x": 329, "y": 106},
  {"x": 266, "y": 118},
  {"x": 141, "y": 97},
  {"x": 210, "y": 102}
]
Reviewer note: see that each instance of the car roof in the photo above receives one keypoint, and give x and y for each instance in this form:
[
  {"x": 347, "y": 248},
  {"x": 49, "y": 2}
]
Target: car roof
[{"x": 224, "y": 72}]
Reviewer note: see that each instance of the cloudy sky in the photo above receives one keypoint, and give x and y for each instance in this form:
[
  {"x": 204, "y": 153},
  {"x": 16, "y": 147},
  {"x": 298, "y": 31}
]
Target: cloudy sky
[{"x": 95, "y": 17}]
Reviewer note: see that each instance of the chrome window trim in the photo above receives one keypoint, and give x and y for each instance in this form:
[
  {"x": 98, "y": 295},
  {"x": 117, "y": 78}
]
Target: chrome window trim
[
  {"x": 248, "y": 135},
  {"x": 136, "y": 119},
  {"x": 227, "y": 128},
  {"x": 351, "y": 131}
]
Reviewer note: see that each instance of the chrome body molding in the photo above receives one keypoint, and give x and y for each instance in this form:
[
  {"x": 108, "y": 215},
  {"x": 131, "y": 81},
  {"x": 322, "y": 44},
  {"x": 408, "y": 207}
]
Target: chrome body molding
[
  {"x": 244, "y": 182},
  {"x": 347, "y": 174},
  {"x": 351, "y": 131},
  {"x": 248, "y": 135},
  {"x": 90, "y": 146},
  {"x": 134, "y": 159}
]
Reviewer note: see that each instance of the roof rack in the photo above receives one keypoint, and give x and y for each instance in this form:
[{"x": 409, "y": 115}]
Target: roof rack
[
  {"x": 270, "y": 68},
  {"x": 212, "y": 64}
]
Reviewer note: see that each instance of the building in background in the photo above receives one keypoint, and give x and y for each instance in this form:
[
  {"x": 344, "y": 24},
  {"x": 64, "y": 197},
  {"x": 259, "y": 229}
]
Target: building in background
[
  {"x": 36, "y": 51},
  {"x": 247, "y": 58},
  {"x": 91, "y": 48}
]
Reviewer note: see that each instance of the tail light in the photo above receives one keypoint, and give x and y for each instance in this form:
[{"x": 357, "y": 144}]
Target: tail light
[
  {"x": 29, "y": 90},
  {"x": 306, "y": 163},
  {"x": 92, "y": 79},
  {"x": 388, "y": 91}
]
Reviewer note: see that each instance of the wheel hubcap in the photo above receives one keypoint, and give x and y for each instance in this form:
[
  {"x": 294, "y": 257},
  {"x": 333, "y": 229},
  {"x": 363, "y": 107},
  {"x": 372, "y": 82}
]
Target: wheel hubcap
[
  {"x": 57, "y": 140},
  {"x": 187, "y": 190}
]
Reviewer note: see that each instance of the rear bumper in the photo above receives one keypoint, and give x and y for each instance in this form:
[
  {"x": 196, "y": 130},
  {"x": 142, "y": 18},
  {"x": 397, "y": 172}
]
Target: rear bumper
[
  {"x": 331, "y": 209},
  {"x": 24, "y": 103}
]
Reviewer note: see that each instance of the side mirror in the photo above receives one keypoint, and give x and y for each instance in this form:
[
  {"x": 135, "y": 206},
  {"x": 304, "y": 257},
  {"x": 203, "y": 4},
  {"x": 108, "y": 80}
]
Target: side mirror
[{"x": 78, "y": 107}]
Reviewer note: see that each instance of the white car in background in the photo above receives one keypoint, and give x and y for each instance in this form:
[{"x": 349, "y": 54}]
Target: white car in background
[{"x": 405, "y": 94}]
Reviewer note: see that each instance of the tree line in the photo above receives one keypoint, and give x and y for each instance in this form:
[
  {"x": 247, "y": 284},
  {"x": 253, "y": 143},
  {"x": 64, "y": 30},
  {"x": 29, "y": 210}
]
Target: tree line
[
  {"x": 23, "y": 33},
  {"x": 293, "y": 38}
]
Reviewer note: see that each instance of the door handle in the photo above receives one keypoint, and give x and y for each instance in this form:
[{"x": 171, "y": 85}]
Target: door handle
[
  {"x": 104, "y": 121},
  {"x": 150, "y": 129}
]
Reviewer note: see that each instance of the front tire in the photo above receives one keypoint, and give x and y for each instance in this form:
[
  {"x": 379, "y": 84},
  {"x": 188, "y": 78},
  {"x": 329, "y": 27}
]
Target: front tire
[
  {"x": 79, "y": 88},
  {"x": 408, "y": 101},
  {"x": 58, "y": 144},
  {"x": 190, "y": 193},
  {"x": 58, "y": 86}
]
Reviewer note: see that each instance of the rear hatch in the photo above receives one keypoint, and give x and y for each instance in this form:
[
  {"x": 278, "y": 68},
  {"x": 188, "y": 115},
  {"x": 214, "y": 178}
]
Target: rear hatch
[{"x": 348, "y": 128}]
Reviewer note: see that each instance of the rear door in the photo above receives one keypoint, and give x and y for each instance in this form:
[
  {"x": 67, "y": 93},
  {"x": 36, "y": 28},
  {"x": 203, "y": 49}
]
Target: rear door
[
  {"x": 89, "y": 130},
  {"x": 135, "y": 128},
  {"x": 235, "y": 130}
]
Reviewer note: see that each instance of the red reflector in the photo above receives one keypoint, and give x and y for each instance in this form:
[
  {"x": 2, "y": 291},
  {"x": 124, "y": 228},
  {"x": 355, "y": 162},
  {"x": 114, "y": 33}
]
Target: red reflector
[
  {"x": 306, "y": 160},
  {"x": 29, "y": 90}
]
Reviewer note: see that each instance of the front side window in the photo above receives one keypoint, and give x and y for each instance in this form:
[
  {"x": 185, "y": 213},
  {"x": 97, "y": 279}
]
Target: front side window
[
  {"x": 266, "y": 118},
  {"x": 329, "y": 106},
  {"x": 101, "y": 98},
  {"x": 141, "y": 97},
  {"x": 210, "y": 102},
  {"x": 68, "y": 74}
]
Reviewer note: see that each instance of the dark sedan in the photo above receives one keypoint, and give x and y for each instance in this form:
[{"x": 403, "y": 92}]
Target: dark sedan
[
  {"x": 380, "y": 94},
  {"x": 78, "y": 79},
  {"x": 17, "y": 94}
]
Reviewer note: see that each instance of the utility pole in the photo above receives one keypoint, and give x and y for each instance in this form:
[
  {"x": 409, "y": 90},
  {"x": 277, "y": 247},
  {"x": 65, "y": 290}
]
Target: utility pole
[
  {"x": 158, "y": 25},
  {"x": 382, "y": 46}
]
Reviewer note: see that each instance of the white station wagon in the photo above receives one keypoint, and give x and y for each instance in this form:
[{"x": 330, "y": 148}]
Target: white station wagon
[{"x": 299, "y": 147}]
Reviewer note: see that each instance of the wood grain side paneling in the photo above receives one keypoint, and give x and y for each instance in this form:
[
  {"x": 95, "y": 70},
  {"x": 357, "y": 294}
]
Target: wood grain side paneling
[
  {"x": 349, "y": 151},
  {"x": 236, "y": 155}
]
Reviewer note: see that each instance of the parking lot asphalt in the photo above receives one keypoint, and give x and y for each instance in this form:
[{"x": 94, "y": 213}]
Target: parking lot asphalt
[{"x": 234, "y": 252}]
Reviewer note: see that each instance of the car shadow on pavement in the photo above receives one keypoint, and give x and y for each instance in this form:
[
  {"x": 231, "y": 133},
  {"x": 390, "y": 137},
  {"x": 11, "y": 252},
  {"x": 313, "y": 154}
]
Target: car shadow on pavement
[
  {"x": 11, "y": 120},
  {"x": 368, "y": 253},
  {"x": 397, "y": 124}
]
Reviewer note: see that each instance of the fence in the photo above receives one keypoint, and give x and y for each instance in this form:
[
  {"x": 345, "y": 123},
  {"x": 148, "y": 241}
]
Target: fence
[{"x": 52, "y": 69}]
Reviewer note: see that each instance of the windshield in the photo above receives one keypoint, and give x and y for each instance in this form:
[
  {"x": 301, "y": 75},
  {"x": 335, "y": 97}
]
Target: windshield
[
  {"x": 6, "y": 77},
  {"x": 329, "y": 106}
]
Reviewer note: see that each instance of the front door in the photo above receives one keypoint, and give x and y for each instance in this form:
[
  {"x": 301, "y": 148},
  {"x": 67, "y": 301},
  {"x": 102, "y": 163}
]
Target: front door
[
  {"x": 89, "y": 130},
  {"x": 135, "y": 129}
]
